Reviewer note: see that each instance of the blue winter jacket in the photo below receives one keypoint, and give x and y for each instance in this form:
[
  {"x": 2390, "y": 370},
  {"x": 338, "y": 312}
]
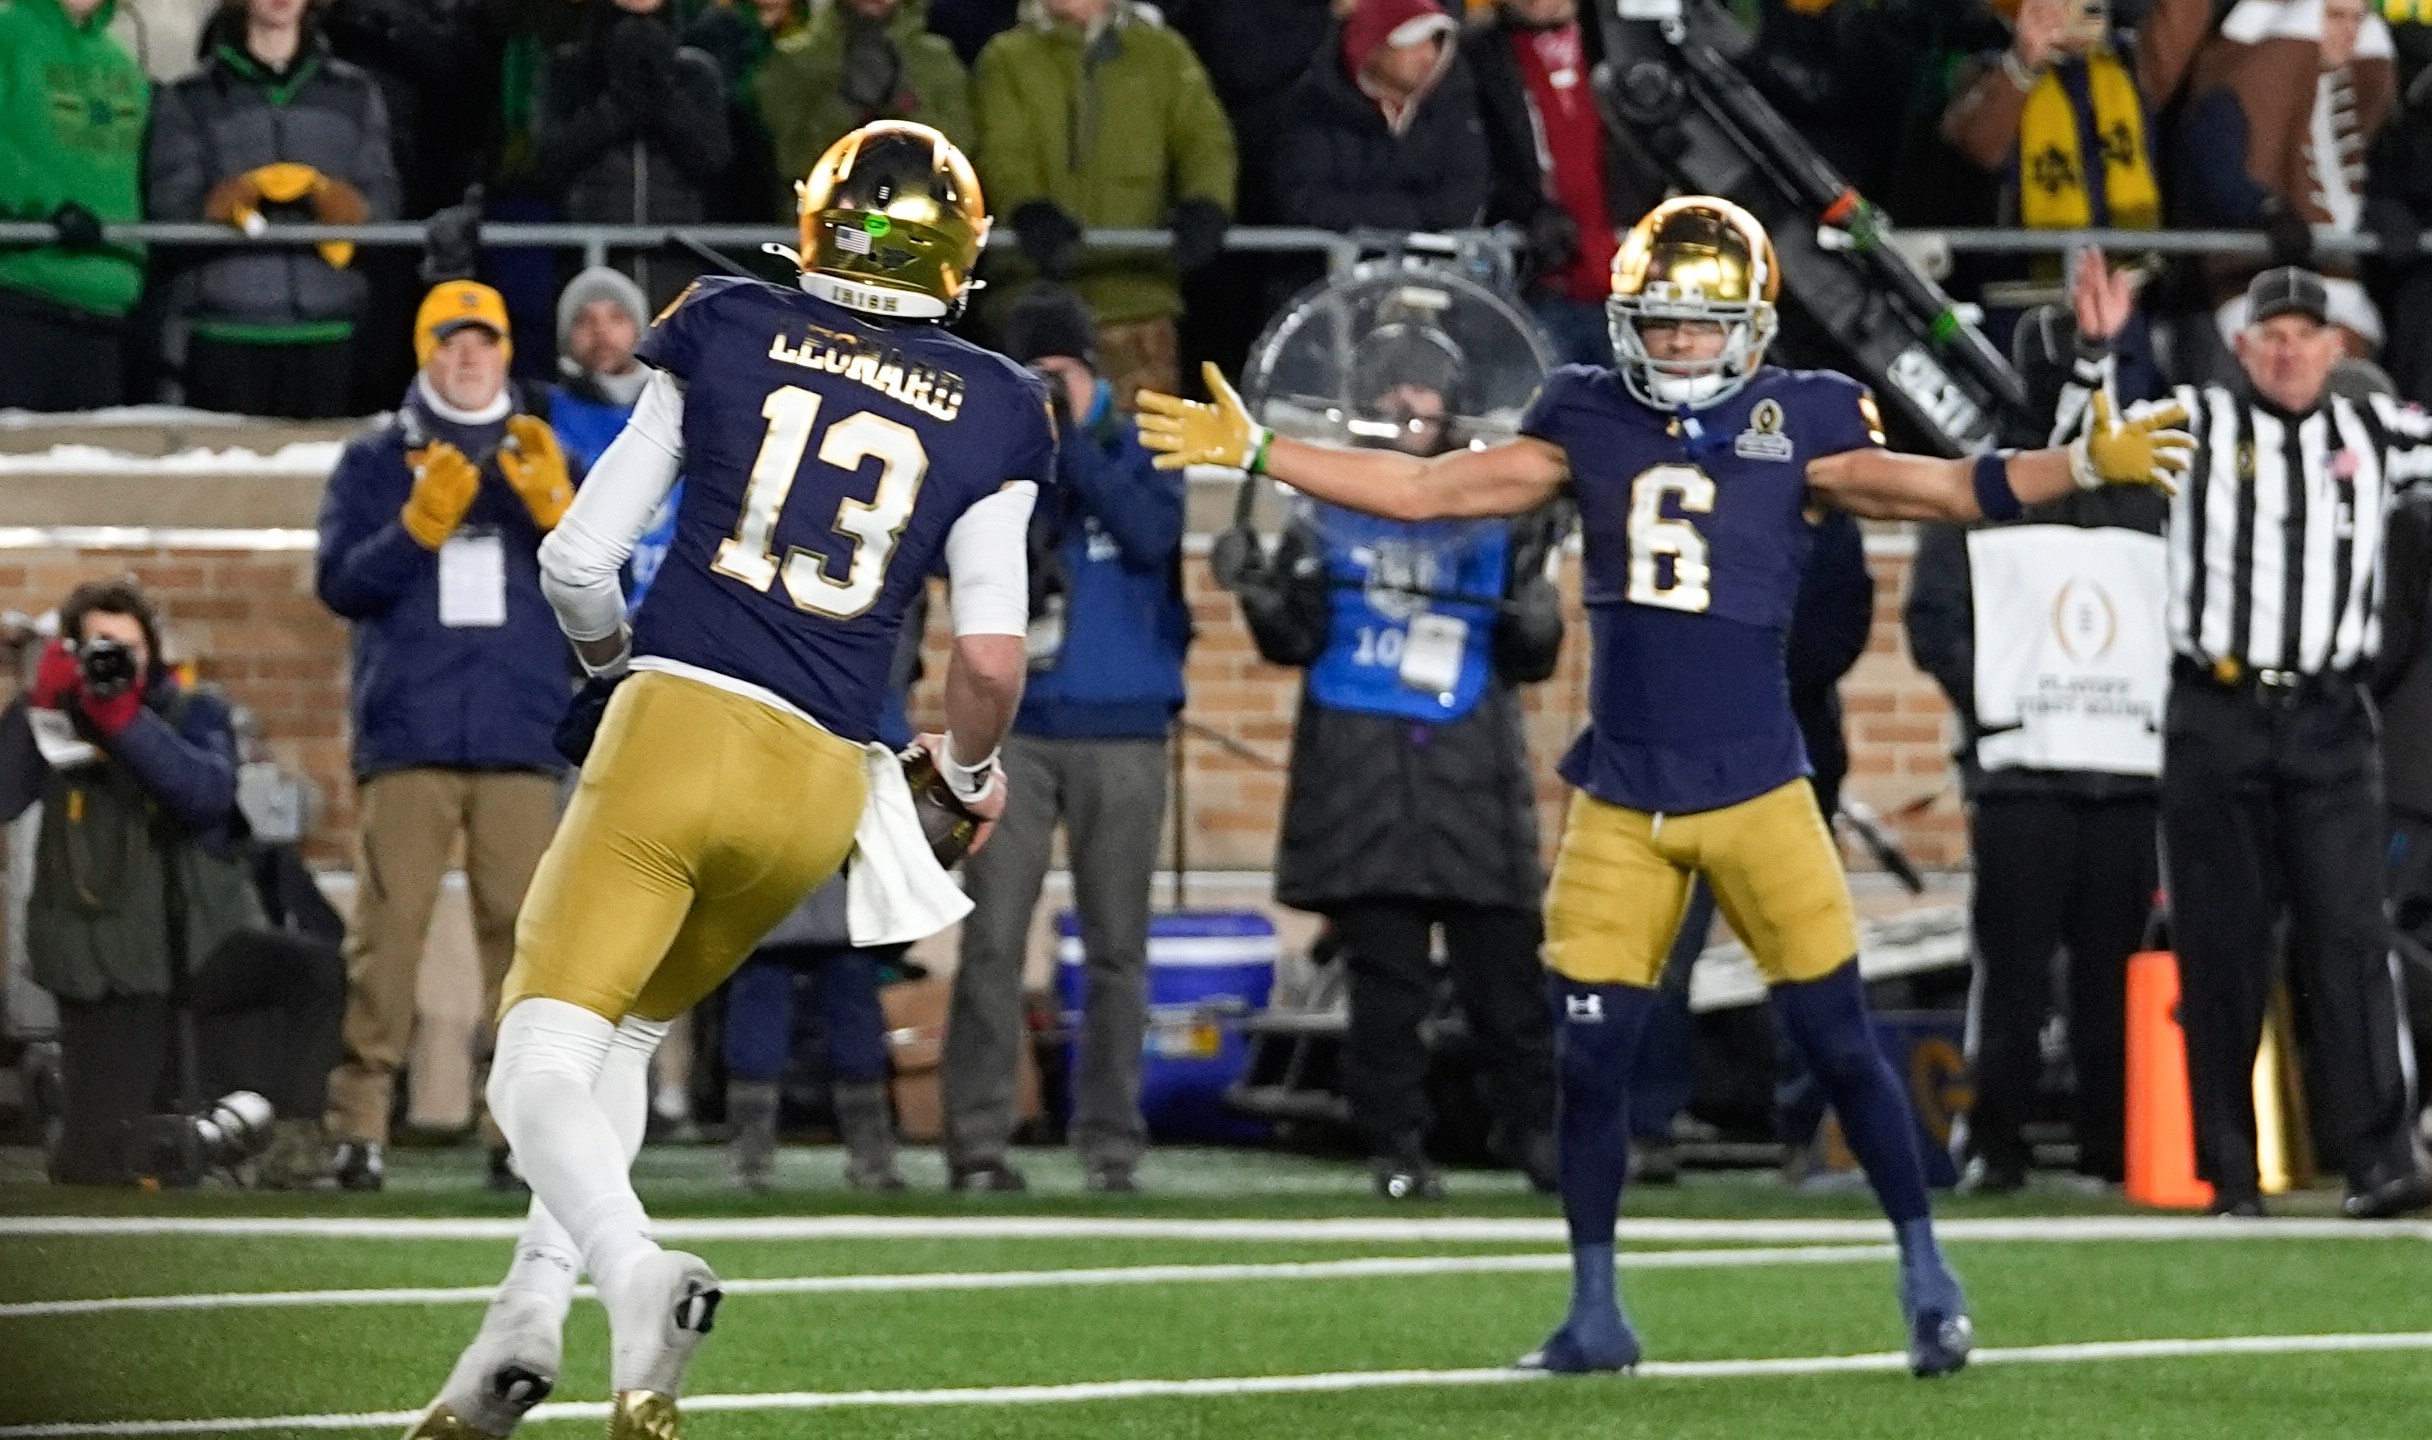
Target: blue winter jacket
[
  {"x": 426, "y": 694},
  {"x": 1126, "y": 628}
]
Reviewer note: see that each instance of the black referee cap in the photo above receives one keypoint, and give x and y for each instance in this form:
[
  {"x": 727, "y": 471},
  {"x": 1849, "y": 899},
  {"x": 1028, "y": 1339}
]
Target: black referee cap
[{"x": 2287, "y": 291}]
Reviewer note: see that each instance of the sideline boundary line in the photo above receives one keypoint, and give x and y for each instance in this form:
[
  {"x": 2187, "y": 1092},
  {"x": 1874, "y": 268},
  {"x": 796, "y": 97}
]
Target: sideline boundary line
[
  {"x": 1449, "y": 1230},
  {"x": 1334, "y": 1382},
  {"x": 1369, "y": 1268}
]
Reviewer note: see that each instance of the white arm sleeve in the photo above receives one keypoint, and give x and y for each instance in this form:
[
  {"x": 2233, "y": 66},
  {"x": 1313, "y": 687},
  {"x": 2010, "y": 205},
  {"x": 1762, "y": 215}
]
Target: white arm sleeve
[
  {"x": 988, "y": 563},
  {"x": 581, "y": 559}
]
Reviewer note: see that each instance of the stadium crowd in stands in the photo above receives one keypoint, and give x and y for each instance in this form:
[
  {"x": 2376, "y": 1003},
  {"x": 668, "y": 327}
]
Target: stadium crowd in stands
[{"x": 2292, "y": 117}]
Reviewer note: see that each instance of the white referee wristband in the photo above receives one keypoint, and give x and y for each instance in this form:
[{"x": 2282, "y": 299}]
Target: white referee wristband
[{"x": 968, "y": 782}]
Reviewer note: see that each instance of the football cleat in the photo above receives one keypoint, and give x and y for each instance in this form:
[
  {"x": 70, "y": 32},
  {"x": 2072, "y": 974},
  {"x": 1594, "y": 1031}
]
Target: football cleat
[
  {"x": 1939, "y": 1342},
  {"x": 510, "y": 1367},
  {"x": 644, "y": 1415},
  {"x": 1405, "y": 1177},
  {"x": 1940, "y": 1335},
  {"x": 660, "y": 1311},
  {"x": 1586, "y": 1346}
]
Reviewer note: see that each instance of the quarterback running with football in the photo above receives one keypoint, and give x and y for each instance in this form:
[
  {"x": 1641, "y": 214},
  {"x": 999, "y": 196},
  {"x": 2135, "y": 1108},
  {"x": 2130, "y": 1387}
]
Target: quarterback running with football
[
  {"x": 836, "y": 441},
  {"x": 1698, "y": 470}
]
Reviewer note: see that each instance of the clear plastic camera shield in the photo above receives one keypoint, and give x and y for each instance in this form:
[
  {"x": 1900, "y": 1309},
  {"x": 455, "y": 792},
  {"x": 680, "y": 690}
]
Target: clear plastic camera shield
[{"x": 1304, "y": 373}]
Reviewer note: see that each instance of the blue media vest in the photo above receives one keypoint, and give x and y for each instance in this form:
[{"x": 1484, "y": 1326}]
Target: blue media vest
[{"x": 1386, "y": 575}]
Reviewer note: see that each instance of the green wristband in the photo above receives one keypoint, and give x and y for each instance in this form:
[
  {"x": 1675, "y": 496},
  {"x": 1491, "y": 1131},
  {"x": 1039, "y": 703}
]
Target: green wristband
[{"x": 1258, "y": 451}]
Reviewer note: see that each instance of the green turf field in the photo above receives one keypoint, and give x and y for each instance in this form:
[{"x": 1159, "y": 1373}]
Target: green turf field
[{"x": 1319, "y": 1312}]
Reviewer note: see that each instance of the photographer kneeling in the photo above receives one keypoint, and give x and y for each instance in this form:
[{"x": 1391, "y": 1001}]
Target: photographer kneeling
[{"x": 144, "y": 917}]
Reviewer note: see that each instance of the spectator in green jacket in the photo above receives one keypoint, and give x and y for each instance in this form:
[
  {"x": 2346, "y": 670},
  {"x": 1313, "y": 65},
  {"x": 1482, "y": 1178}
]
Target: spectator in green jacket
[
  {"x": 1093, "y": 114},
  {"x": 72, "y": 109},
  {"x": 859, "y": 61}
]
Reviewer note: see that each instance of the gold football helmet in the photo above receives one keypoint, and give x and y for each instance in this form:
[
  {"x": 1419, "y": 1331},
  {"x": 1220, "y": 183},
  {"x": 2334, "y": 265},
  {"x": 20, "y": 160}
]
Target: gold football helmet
[
  {"x": 892, "y": 223},
  {"x": 1695, "y": 258}
]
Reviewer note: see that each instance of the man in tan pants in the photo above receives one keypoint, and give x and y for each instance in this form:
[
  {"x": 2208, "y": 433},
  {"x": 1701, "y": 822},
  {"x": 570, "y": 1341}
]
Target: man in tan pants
[{"x": 429, "y": 542}]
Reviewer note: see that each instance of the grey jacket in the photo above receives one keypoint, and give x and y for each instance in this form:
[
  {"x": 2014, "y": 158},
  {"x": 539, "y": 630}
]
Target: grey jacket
[{"x": 233, "y": 116}]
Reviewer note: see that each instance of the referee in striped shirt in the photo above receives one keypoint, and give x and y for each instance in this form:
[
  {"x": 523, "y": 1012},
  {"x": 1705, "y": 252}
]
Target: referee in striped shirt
[{"x": 2271, "y": 784}]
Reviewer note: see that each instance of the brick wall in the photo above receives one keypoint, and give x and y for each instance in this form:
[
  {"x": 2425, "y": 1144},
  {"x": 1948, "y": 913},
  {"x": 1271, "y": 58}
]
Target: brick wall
[{"x": 252, "y": 624}]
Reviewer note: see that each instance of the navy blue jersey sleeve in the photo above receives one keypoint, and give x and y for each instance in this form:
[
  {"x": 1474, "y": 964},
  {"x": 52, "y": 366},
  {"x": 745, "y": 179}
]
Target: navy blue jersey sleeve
[
  {"x": 680, "y": 337},
  {"x": 1546, "y": 415},
  {"x": 1838, "y": 414}
]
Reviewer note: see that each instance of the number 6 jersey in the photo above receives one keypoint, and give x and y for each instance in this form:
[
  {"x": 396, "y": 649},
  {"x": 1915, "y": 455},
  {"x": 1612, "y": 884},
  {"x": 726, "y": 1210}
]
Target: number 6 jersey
[
  {"x": 826, "y": 457},
  {"x": 1696, "y": 533}
]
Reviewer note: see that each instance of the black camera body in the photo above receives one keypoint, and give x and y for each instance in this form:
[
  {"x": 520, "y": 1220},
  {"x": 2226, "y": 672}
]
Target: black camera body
[{"x": 106, "y": 666}]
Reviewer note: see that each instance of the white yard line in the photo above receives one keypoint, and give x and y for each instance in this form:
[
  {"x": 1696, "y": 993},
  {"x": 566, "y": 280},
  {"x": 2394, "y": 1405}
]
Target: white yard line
[
  {"x": 1378, "y": 1267},
  {"x": 1335, "y": 1382},
  {"x": 2072, "y": 1228}
]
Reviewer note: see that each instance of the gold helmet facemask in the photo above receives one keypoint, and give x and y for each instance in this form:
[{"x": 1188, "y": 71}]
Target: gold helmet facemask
[
  {"x": 1701, "y": 260},
  {"x": 892, "y": 223}
]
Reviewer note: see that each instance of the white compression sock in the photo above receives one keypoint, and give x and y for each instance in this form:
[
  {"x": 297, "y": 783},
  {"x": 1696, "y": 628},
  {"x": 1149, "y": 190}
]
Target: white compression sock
[
  {"x": 543, "y": 1082},
  {"x": 546, "y": 1258}
]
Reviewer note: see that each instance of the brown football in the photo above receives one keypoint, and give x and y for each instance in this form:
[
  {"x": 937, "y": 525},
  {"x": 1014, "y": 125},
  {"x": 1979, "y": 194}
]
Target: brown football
[{"x": 948, "y": 823}]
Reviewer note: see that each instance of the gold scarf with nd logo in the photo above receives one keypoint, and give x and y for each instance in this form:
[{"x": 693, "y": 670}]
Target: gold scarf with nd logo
[{"x": 2054, "y": 191}]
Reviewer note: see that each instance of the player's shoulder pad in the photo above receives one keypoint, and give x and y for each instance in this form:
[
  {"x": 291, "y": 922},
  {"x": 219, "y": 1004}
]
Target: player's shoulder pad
[
  {"x": 984, "y": 371},
  {"x": 980, "y": 360},
  {"x": 674, "y": 341},
  {"x": 1570, "y": 381},
  {"x": 1828, "y": 397},
  {"x": 715, "y": 297},
  {"x": 1563, "y": 387},
  {"x": 707, "y": 291}
]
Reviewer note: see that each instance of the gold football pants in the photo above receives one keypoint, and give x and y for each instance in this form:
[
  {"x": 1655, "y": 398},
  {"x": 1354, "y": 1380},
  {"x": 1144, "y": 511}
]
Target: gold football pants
[
  {"x": 1621, "y": 881},
  {"x": 702, "y": 817}
]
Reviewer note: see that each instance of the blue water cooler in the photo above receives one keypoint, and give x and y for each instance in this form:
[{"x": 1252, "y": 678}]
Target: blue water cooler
[{"x": 1207, "y": 971}]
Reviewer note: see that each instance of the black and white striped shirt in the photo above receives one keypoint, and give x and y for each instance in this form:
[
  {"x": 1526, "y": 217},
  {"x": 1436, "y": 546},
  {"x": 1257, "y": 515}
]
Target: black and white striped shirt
[{"x": 2275, "y": 536}]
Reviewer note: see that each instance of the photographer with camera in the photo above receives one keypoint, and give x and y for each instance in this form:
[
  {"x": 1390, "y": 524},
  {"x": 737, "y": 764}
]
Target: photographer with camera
[
  {"x": 1108, "y": 631},
  {"x": 144, "y": 921}
]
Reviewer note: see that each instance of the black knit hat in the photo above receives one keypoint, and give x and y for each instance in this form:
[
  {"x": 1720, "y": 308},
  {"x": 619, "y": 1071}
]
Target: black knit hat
[{"x": 1050, "y": 320}]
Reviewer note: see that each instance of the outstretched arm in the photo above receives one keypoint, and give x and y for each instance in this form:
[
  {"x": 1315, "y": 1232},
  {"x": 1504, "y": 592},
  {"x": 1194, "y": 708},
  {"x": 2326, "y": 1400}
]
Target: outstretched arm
[
  {"x": 1507, "y": 479},
  {"x": 2142, "y": 447},
  {"x": 1887, "y": 485}
]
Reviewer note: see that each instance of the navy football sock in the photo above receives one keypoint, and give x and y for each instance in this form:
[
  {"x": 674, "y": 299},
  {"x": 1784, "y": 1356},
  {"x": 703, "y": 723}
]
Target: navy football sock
[
  {"x": 1827, "y": 1019},
  {"x": 1596, "y": 1030}
]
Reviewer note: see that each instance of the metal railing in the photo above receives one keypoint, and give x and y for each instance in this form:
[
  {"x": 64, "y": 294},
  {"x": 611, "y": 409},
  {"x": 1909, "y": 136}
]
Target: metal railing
[{"x": 596, "y": 241}]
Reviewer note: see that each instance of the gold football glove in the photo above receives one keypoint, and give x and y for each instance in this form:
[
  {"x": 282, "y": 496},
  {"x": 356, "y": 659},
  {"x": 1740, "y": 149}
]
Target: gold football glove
[
  {"x": 536, "y": 468},
  {"x": 2143, "y": 447},
  {"x": 445, "y": 483},
  {"x": 1188, "y": 432}
]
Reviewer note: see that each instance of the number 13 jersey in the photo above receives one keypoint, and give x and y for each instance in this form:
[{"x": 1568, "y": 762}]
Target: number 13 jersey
[
  {"x": 1696, "y": 534},
  {"x": 826, "y": 456}
]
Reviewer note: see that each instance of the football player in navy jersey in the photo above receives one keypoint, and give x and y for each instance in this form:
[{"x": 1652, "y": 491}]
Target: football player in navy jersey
[
  {"x": 1698, "y": 470},
  {"x": 836, "y": 443}
]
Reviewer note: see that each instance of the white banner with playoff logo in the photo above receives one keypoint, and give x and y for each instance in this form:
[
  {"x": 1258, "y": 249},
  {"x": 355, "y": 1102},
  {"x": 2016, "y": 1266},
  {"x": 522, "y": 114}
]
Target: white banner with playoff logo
[{"x": 2072, "y": 652}]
